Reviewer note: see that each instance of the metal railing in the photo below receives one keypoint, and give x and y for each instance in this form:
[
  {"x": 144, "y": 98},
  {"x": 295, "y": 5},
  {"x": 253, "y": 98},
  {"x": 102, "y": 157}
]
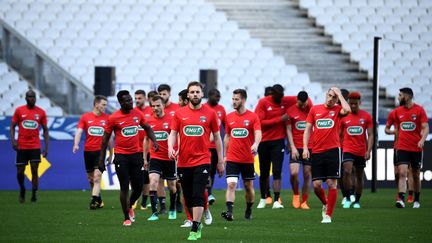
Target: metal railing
[{"x": 43, "y": 72}]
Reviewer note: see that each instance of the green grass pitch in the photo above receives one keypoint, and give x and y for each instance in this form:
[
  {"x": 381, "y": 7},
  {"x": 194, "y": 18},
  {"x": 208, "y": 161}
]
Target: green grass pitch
[{"x": 60, "y": 216}]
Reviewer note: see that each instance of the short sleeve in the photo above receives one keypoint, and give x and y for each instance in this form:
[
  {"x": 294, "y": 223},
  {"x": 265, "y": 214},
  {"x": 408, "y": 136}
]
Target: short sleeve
[
  {"x": 214, "y": 126},
  {"x": 44, "y": 120},
  {"x": 175, "y": 122},
  {"x": 15, "y": 117},
  {"x": 423, "y": 116},
  {"x": 310, "y": 116},
  {"x": 81, "y": 122},
  {"x": 110, "y": 125},
  {"x": 257, "y": 124}
]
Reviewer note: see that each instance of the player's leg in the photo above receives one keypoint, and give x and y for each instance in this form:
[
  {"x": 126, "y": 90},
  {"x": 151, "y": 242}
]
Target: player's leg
[
  {"x": 332, "y": 160},
  {"x": 277, "y": 157},
  {"x": 153, "y": 186},
  {"x": 94, "y": 176},
  {"x": 410, "y": 185},
  {"x": 213, "y": 164},
  {"x": 145, "y": 190},
  {"x": 331, "y": 199},
  {"x": 20, "y": 178},
  {"x": 200, "y": 180},
  {"x": 179, "y": 205},
  {"x": 317, "y": 177},
  {"x": 264, "y": 165},
  {"x": 136, "y": 170},
  {"x": 232, "y": 175},
  {"x": 347, "y": 178},
  {"x": 162, "y": 195},
  {"x": 248, "y": 175},
  {"x": 186, "y": 181},
  {"x": 294, "y": 171},
  {"x": 404, "y": 158},
  {"x": 307, "y": 175},
  {"x": 169, "y": 171},
  {"x": 359, "y": 164},
  {"x": 122, "y": 171},
  {"x": 416, "y": 164},
  {"x": 395, "y": 168},
  {"x": 35, "y": 159}
]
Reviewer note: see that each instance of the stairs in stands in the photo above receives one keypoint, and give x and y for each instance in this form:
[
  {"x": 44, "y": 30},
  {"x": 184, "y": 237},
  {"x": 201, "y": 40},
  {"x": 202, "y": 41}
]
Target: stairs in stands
[{"x": 284, "y": 27}]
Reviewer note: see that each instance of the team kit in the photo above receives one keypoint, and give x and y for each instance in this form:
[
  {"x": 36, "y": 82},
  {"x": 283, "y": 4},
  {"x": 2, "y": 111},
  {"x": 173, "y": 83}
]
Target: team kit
[{"x": 180, "y": 144}]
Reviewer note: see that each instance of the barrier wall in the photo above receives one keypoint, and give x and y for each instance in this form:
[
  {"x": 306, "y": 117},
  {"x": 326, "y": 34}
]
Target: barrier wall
[{"x": 63, "y": 170}]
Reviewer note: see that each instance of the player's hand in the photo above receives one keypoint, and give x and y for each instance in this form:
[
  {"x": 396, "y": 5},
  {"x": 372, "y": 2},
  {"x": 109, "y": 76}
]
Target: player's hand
[
  {"x": 211, "y": 137},
  {"x": 101, "y": 166},
  {"x": 75, "y": 148},
  {"x": 337, "y": 91},
  {"x": 45, "y": 153},
  {"x": 284, "y": 118},
  {"x": 172, "y": 154},
  {"x": 220, "y": 168},
  {"x": 15, "y": 145},
  {"x": 367, "y": 156},
  {"x": 295, "y": 154},
  {"x": 306, "y": 154},
  {"x": 146, "y": 164},
  {"x": 254, "y": 148},
  {"x": 420, "y": 144}
]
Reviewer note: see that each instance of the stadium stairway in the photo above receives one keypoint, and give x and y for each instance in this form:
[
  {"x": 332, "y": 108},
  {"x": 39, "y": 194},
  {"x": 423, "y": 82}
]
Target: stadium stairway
[{"x": 284, "y": 27}]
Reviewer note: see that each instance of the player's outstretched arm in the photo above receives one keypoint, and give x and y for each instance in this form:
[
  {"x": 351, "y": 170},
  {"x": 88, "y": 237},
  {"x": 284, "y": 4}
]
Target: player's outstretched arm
[
  {"x": 105, "y": 139},
  {"x": 226, "y": 144},
  {"x": 77, "y": 139},
  {"x": 257, "y": 141},
  {"x": 12, "y": 135},
  {"x": 370, "y": 141},
  {"x": 151, "y": 135},
  {"x": 294, "y": 152},
  {"x": 146, "y": 147},
  {"x": 220, "y": 165},
  {"x": 171, "y": 142},
  {"x": 46, "y": 139},
  {"x": 306, "y": 136},
  {"x": 424, "y": 132}
]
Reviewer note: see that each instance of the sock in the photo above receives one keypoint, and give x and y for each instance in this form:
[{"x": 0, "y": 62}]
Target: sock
[
  {"x": 153, "y": 201},
  {"x": 99, "y": 198},
  {"x": 20, "y": 178},
  {"x": 402, "y": 196},
  {"x": 347, "y": 194},
  {"x": 351, "y": 191},
  {"x": 268, "y": 192},
  {"x": 206, "y": 204},
  {"x": 417, "y": 197},
  {"x": 276, "y": 196},
  {"x": 209, "y": 190},
  {"x": 321, "y": 195},
  {"x": 34, "y": 192},
  {"x": 263, "y": 188},
  {"x": 410, "y": 193},
  {"x": 357, "y": 196},
  {"x": 195, "y": 226},
  {"x": 249, "y": 206},
  {"x": 305, "y": 197},
  {"x": 94, "y": 198},
  {"x": 162, "y": 202},
  {"x": 144, "y": 200},
  {"x": 230, "y": 206},
  {"x": 173, "y": 197},
  {"x": 178, "y": 195},
  {"x": 295, "y": 189},
  {"x": 332, "y": 196},
  {"x": 188, "y": 215}
]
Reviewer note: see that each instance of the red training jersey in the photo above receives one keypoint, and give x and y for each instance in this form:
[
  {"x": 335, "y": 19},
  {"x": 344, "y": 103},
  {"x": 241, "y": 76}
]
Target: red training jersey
[
  {"x": 161, "y": 128},
  {"x": 390, "y": 122},
  {"x": 147, "y": 113},
  {"x": 125, "y": 127},
  {"x": 94, "y": 128},
  {"x": 171, "y": 108},
  {"x": 297, "y": 120},
  {"x": 409, "y": 121},
  {"x": 194, "y": 127},
  {"x": 325, "y": 123},
  {"x": 354, "y": 127},
  {"x": 221, "y": 114},
  {"x": 241, "y": 130},
  {"x": 29, "y": 122}
]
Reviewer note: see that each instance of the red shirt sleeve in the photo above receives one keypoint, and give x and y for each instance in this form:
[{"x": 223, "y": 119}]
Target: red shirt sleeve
[
  {"x": 110, "y": 125},
  {"x": 214, "y": 126},
  {"x": 423, "y": 116},
  {"x": 369, "y": 121},
  {"x": 390, "y": 119},
  {"x": 81, "y": 123},
  {"x": 260, "y": 111},
  {"x": 310, "y": 116},
  {"x": 175, "y": 123},
  {"x": 142, "y": 119},
  {"x": 15, "y": 117},
  {"x": 257, "y": 124},
  {"x": 44, "y": 120}
]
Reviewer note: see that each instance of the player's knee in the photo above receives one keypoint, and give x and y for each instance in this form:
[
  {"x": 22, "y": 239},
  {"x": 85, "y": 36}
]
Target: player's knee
[
  {"x": 294, "y": 174},
  {"x": 317, "y": 186},
  {"x": 277, "y": 175}
]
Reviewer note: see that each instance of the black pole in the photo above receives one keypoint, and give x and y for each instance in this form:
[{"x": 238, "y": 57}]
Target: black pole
[{"x": 375, "y": 112}]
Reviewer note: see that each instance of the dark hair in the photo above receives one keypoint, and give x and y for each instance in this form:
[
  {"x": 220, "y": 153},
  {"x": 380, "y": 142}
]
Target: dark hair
[
  {"x": 302, "y": 96},
  {"x": 183, "y": 94},
  {"x": 150, "y": 94},
  {"x": 277, "y": 88},
  {"x": 163, "y": 87},
  {"x": 157, "y": 97},
  {"x": 213, "y": 92},
  {"x": 241, "y": 92},
  {"x": 345, "y": 93},
  {"x": 98, "y": 98},
  {"x": 268, "y": 91},
  {"x": 120, "y": 94},
  {"x": 140, "y": 92},
  {"x": 30, "y": 92},
  {"x": 407, "y": 91},
  {"x": 195, "y": 83}
]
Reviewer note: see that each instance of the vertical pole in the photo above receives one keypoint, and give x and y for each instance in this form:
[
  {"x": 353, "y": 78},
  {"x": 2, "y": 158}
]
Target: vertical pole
[{"x": 375, "y": 111}]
